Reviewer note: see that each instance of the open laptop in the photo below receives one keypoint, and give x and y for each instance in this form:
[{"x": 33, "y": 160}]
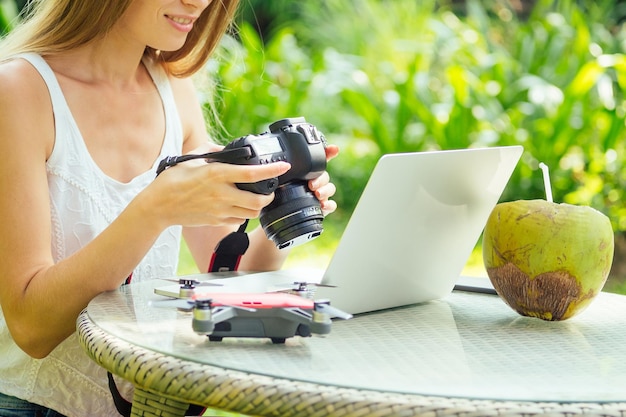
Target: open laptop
[{"x": 410, "y": 235}]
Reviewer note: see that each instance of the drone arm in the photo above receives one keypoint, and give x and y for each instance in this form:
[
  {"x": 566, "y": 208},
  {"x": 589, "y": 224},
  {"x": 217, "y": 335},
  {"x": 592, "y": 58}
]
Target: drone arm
[
  {"x": 304, "y": 317},
  {"x": 295, "y": 314},
  {"x": 221, "y": 313}
]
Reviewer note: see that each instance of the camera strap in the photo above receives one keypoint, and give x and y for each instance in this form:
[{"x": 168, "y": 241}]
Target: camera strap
[
  {"x": 229, "y": 250},
  {"x": 220, "y": 156}
]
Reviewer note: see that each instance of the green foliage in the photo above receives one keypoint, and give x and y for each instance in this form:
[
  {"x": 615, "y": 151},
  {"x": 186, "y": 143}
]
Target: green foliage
[
  {"x": 250, "y": 85},
  {"x": 8, "y": 12},
  {"x": 396, "y": 76},
  {"x": 268, "y": 16},
  {"x": 258, "y": 84}
]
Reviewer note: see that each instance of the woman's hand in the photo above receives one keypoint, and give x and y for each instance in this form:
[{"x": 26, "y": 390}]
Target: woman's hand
[
  {"x": 196, "y": 193},
  {"x": 322, "y": 187}
]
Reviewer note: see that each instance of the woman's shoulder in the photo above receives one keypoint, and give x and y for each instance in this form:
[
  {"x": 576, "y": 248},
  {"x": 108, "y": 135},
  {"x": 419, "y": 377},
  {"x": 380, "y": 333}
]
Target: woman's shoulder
[
  {"x": 190, "y": 111},
  {"x": 20, "y": 82},
  {"x": 17, "y": 68},
  {"x": 182, "y": 85},
  {"x": 25, "y": 105}
]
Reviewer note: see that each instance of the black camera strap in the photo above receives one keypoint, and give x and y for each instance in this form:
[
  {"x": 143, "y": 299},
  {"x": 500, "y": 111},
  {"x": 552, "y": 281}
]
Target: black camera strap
[
  {"x": 220, "y": 156},
  {"x": 229, "y": 250}
]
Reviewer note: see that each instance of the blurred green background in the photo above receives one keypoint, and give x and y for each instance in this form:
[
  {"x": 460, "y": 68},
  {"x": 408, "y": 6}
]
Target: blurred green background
[
  {"x": 381, "y": 76},
  {"x": 403, "y": 75}
]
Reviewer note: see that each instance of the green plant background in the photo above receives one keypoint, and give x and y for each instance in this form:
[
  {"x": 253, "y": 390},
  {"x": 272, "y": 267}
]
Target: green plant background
[{"x": 398, "y": 76}]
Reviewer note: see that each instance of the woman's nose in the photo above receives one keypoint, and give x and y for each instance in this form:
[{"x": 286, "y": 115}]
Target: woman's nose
[{"x": 199, "y": 4}]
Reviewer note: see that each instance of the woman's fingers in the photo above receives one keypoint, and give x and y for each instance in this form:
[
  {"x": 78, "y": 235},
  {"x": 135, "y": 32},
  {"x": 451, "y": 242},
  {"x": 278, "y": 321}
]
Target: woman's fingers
[
  {"x": 331, "y": 152},
  {"x": 253, "y": 173}
]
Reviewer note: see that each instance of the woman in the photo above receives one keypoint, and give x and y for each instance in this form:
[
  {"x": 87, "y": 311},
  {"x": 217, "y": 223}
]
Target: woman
[{"x": 94, "y": 95}]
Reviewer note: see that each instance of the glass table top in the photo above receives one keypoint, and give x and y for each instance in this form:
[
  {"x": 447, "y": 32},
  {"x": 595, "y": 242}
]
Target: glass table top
[{"x": 466, "y": 345}]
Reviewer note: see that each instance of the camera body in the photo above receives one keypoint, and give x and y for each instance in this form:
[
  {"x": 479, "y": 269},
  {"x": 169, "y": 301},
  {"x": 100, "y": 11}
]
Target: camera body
[
  {"x": 291, "y": 140},
  {"x": 295, "y": 215}
]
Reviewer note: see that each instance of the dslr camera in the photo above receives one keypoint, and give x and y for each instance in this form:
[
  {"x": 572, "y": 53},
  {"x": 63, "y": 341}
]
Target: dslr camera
[{"x": 295, "y": 216}]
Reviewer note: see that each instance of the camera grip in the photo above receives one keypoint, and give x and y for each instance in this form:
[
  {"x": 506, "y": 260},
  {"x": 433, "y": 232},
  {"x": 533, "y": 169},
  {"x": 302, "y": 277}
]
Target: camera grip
[{"x": 266, "y": 187}]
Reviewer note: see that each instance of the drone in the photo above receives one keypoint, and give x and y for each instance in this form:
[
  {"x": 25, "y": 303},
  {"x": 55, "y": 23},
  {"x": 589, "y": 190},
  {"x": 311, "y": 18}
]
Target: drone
[{"x": 274, "y": 315}]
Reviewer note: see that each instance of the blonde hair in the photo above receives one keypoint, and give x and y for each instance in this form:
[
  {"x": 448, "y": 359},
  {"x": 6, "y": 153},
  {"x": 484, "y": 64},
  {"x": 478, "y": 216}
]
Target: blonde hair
[{"x": 52, "y": 26}]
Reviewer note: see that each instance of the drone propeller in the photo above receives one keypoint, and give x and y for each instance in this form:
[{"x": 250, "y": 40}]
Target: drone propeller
[
  {"x": 188, "y": 285},
  {"x": 304, "y": 284},
  {"x": 300, "y": 287},
  {"x": 181, "y": 304},
  {"x": 189, "y": 304},
  {"x": 192, "y": 283}
]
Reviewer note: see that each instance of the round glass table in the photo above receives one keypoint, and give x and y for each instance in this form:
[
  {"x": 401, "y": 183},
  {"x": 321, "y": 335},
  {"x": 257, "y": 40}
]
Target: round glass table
[{"x": 468, "y": 353}]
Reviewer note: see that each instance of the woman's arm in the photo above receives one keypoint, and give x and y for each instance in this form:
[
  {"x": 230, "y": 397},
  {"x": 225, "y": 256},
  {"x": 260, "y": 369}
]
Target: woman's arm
[{"x": 41, "y": 299}]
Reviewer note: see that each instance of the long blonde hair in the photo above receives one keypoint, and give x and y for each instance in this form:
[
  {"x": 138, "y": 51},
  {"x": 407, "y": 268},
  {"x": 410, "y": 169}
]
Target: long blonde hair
[{"x": 53, "y": 26}]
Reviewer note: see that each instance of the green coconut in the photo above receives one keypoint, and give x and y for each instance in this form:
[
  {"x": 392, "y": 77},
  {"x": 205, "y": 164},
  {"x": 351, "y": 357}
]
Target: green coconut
[{"x": 547, "y": 260}]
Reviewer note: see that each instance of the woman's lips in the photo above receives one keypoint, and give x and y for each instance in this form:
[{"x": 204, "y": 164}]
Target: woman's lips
[{"x": 182, "y": 23}]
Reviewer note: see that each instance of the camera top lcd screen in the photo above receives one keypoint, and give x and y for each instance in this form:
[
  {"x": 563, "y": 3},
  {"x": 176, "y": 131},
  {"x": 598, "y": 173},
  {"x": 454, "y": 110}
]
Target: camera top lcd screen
[{"x": 266, "y": 146}]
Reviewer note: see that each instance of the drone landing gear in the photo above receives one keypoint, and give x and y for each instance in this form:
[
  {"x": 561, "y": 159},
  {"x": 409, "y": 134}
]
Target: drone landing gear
[
  {"x": 275, "y": 340},
  {"x": 303, "y": 330},
  {"x": 275, "y": 328}
]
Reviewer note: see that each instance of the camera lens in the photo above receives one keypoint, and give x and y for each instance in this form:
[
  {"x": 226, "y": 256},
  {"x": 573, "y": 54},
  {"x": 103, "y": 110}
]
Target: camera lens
[{"x": 294, "y": 217}]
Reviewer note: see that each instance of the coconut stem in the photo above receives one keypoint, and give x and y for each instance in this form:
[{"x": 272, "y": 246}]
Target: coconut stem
[{"x": 546, "y": 181}]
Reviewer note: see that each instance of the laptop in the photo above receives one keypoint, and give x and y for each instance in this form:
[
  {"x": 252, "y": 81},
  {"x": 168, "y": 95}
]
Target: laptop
[{"x": 409, "y": 237}]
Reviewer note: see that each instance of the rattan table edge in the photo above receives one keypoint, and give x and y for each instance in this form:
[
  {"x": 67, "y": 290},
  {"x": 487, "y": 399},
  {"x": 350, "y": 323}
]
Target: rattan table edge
[{"x": 167, "y": 384}]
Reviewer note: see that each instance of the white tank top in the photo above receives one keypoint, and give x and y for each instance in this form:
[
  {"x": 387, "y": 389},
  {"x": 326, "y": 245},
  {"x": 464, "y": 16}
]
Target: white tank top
[{"x": 84, "y": 201}]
